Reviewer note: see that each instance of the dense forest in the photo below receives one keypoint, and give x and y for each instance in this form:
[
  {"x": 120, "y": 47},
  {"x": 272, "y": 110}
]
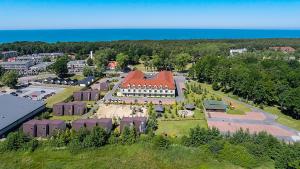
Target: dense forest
[{"x": 264, "y": 81}]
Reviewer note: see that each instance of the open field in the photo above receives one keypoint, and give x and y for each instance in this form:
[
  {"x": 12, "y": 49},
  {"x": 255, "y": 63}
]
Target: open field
[
  {"x": 61, "y": 96},
  {"x": 179, "y": 127},
  {"x": 117, "y": 156}
]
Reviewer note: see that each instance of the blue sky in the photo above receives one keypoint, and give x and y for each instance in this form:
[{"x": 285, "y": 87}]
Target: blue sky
[{"x": 72, "y": 14}]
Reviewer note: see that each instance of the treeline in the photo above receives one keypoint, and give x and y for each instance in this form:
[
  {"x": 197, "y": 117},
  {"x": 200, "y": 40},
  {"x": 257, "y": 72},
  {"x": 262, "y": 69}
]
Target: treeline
[
  {"x": 140, "y": 47},
  {"x": 254, "y": 76},
  {"x": 241, "y": 148}
]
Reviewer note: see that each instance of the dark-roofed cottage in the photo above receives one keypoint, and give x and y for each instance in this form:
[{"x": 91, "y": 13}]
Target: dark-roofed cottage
[
  {"x": 138, "y": 122},
  {"x": 42, "y": 127},
  {"x": 58, "y": 109},
  {"x": 55, "y": 126}
]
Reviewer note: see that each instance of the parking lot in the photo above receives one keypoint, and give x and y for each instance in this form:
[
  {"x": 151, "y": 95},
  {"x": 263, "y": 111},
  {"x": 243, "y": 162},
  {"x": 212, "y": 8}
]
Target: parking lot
[{"x": 35, "y": 92}]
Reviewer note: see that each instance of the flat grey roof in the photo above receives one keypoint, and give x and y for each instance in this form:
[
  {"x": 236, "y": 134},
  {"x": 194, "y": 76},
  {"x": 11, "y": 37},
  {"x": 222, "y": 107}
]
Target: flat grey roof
[
  {"x": 13, "y": 108},
  {"x": 15, "y": 63}
]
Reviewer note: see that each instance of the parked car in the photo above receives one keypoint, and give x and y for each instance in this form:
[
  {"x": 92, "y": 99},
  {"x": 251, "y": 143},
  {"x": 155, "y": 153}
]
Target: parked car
[{"x": 14, "y": 93}]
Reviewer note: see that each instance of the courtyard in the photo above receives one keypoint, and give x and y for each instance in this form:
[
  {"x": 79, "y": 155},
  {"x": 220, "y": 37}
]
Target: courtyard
[{"x": 120, "y": 110}]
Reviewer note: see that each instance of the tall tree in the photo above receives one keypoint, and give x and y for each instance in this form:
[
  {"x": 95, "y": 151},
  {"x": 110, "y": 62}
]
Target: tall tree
[
  {"x": 60, "y": 67},
  {"x": 10, "y": 78},
  {"x": 122, "y": 60}
]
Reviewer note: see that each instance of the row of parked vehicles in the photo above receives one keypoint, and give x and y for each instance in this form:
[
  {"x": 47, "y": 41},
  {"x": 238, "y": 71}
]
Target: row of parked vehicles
[{"x": 60, "y": 81}]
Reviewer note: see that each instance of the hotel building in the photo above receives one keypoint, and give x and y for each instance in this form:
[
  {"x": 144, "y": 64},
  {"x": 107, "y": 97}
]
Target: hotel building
[{"x": 138, "y": 85}]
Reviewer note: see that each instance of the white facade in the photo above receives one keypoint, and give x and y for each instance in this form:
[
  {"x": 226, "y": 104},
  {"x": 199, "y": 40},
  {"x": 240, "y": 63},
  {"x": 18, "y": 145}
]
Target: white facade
[
  {"x": 76, "y": 66},
  {"x": 147, "y": 92},
  {"x": 237, "y": 51}
]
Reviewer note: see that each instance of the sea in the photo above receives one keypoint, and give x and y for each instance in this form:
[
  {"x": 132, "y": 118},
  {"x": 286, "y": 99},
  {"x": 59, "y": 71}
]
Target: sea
[{"x": 93, "y": 35}]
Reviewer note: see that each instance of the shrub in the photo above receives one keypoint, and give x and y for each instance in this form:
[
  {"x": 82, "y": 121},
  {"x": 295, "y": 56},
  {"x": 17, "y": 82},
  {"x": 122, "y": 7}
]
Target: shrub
[
  {"x": 161, "y": 142},
  {"x": 96, "y": 138},
  {"x": 128, "y": 135},
  {"x": 15, "y": 141},
  {"x": 238, "y": 155}
]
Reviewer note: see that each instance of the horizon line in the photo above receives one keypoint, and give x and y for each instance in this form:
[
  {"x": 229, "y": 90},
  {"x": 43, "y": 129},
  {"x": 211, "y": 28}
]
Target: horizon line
[{"x": 149, "y": 28}]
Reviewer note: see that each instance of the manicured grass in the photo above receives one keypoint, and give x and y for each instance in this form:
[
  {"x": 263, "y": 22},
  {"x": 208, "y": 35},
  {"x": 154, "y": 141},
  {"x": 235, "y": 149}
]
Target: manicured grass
[
  {"x": 117, "y": 156},
  {"x": 180, "y": 127},
  {"x": 61, "y": 96},
  {"x": 235, "y": 111},
  {"x": 282, "y": 118},
  {"x": 140, "y": 67},
  {"x": 78, "y": 77},
  {"x": 65, "y": 118},
  {"x": 238, "y": 108}
]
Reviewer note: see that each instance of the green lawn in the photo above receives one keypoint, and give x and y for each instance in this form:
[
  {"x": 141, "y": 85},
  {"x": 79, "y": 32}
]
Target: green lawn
[
  {"x": 282, "y": 118},
  {"x": 140, "y": 67},
  {"x": 235, "y": 111},
  {"x": 61, "y": 96},
  {"x": 117, "y": 156},
  {"x": 65, "y": 118},
  {"x": 238, "y": 108},
  {"x": 179, "y": 128},
  {"x": 77, "y": 76}
]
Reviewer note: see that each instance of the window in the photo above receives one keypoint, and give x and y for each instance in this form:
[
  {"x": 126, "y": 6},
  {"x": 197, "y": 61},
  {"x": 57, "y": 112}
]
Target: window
[
  {"x": 161, "y": 91},
  {"x": 128, "y": 90},
  {"x": 166, "y": 91}
]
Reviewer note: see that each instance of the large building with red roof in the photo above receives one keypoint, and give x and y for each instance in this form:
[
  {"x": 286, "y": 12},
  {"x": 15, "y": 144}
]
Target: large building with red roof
[{"x": 137, "y": 84}]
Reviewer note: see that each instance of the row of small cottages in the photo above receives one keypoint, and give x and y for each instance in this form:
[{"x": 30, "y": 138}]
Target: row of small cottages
[{"x": 44, "y": 128}]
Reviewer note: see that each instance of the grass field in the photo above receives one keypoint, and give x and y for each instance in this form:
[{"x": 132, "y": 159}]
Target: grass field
[
  {"x": 65, "y": 118},
  {"x": 78, "y": 77},
  {"x": 180, "y": 127},
  {"x": 117, "y": 156},
  {"x": 61, "y": 96},
  {"x": 282, "y": 118},
  {"x": 238, "y": 108}
]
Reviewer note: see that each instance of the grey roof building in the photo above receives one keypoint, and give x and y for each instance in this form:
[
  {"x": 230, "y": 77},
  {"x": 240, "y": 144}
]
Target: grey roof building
[
  {"x": 87, "y": 81},
  {"x": 214, "y": 106},
  {"x": 76, "y": 66},
  {"x": 16, "y": 110},
  {"x": 20, "y": 66},
  {"x": 190, "y": 106}
]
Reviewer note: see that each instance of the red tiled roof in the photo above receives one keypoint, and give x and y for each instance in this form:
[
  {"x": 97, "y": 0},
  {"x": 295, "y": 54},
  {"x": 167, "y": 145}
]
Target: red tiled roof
[
  {"x": 283, "y": 49},
  {"x": 112, "y": 64},
  {"x": 164, "y": 79}
]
